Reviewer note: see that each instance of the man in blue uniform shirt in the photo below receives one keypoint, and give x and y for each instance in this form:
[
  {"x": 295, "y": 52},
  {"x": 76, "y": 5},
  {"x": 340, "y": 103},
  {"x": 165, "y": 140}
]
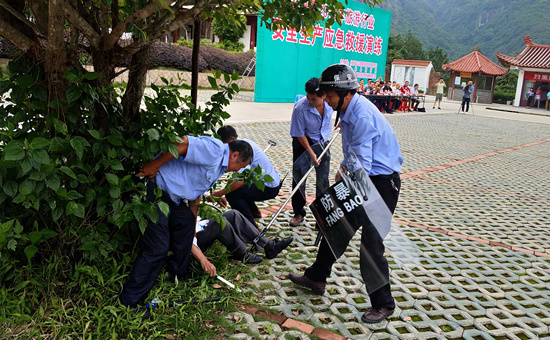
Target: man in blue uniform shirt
[
  {"x": 310, "y": 124},
  {"x": 367, "y": 136},
  {"x": 241, "y": 197},
  {"x": 201, "y": 162}
]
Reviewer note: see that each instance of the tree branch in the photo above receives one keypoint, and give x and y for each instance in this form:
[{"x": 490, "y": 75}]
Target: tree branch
[
  {"x": 18, "y": 15},
  {"x": 119, "y": 29},
  {"x": 179, "y": 21},
  {"x": 82, "y": 25},
  {"x": 15, "y": 36}
]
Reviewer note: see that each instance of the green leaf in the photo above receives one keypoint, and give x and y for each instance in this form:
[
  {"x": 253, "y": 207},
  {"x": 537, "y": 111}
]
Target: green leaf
[
  {"x": 26, "y": 187},
  {"x": 71, "y": 208},
  {"x": 116, "y": 164},
  {"x": 60, "y": 126},
  {"x": 173, "y": 150},
  {"x": 47, "y": 234},
  {"x": 35, "y": 236},
  {"x": 119, "y": 219},
  {"x": 116, "y": 141},
  {"x": 112, "y": 179},
  {"x": 39, "y": 143},
  {"x": 18, "y": 227},
  {"x": 153, "y": 134},
  {"x": 40, "y": 156},
  {"x": 12, "y": 244},
  {"x": 212, "y": 82},
  {"x": 77, "y": 146},
  {"x": 164, "y": 208},
  {"x": 26, "y": 164},
  {"x": 268, "y": 179},
  {"x": 14, "y": 151},
  {"x": 10, "y": 188},
  {"x": 74, "y": 195},
  {"x": 80, "y": 212},
  {"x": 92, "y": 75},
  {"x": 74, "y": 75},
  {"x": 114, "y": 192},
  {"x": 53, "y": 182},
  {"x": 30, "y": 251},
  {"x": 68, "y": 171},
  {"x": 73, "y": 94},
  {"x": 94, "y": 134}
]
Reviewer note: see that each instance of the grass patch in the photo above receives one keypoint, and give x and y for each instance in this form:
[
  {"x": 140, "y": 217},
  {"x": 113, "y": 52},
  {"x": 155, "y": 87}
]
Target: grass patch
[{"x": 57, "y": 300}]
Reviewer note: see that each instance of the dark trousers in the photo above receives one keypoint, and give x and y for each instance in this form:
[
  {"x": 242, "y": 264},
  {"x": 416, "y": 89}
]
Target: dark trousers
[
  {"x": 298, "y": 171},
  {"x": 237, "y": 231},
  {"x": 396, "y": 103},
  {"x": 467, "y": 102},
  {"x": 414, "y": 103},
  {"x": 243, "y": 198},
  {"x": 171, "y": 233},
  {"x": 371, "y": 251}
]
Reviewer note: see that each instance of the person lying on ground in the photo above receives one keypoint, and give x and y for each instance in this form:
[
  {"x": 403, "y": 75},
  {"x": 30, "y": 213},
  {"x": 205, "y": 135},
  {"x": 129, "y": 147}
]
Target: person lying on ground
[{"x": 237, "y": 232}]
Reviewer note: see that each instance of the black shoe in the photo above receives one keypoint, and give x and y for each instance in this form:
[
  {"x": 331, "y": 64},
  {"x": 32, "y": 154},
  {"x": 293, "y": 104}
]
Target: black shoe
[
  {"x": 277, "y": 247},
  {"x": 249, "y": 258},
  {"x": 296, "y": 220},
  {"x": 375, "y": 315},
  {"x": 304, "y": 281}
]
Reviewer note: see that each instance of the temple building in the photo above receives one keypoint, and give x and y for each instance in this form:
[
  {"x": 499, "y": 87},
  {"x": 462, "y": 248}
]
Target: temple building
[
  {"x": 477, "y": 68},
  {"x": 533, "y": 64}
]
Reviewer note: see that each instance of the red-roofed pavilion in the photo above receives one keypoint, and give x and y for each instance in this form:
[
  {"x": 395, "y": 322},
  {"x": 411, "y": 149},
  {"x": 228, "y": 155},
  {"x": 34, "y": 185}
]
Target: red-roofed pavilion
[
  {"x": 533, "y": 64},
  {"x": 477, "y": 68}
]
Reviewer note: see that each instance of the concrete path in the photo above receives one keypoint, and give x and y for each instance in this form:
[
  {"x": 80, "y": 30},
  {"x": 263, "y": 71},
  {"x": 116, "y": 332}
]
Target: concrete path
[{"x": 469, "y": 249}]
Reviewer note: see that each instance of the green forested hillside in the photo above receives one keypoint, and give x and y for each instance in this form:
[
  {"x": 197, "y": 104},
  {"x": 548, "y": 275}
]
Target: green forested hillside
[{"x": 458, "y": 26}]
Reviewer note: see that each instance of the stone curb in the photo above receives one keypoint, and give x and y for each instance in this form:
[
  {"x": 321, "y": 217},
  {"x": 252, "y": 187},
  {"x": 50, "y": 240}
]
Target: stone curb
[{"x": 288, "y": 323}]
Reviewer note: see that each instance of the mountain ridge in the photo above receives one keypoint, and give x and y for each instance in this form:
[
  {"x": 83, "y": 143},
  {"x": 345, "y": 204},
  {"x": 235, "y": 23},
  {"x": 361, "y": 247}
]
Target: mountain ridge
[{"x": 457, "y": 27}]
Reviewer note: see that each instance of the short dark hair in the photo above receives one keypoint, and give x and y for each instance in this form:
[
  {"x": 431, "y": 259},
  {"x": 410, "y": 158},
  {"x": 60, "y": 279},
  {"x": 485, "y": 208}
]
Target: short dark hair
[
  {"x": 312, "y": 85},
  {"x": 226, "y": 132},
  {"x": 246, "y": 154},
  {"x": 415, "y": 85}
]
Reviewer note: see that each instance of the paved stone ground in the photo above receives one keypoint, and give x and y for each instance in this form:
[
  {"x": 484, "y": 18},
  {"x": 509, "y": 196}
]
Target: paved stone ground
[{"x": 469, "y": 249}]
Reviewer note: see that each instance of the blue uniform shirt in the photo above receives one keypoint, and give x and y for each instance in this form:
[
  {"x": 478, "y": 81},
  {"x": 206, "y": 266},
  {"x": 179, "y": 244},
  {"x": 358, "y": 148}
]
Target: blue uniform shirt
[
  {"x": 261, "y": 159},
  {"x": 306, "y": 121},
  {"x": 191, "y": 175},
  {"x": 368, "y": 135}
]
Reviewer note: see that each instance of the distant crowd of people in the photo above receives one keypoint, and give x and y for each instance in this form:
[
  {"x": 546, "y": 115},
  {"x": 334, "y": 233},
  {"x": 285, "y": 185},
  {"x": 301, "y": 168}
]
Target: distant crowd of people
[{"x": 378, "y": 86}]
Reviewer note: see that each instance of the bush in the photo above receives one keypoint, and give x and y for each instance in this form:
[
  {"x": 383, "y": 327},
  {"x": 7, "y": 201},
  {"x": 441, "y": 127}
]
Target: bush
[
  {"x": 173, "y": 56},
  {"x": 502, "y": 96},
  {"x": 66, "y": 185},
  {"x": 232, "y": 46},
  {"x": 229, "y": 30}
]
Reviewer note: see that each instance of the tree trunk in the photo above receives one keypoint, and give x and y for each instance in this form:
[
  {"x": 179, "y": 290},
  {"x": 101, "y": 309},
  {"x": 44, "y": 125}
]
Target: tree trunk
[
  {"x": 55, "y": 63},
  {"x": 103, "y": 60},
  {"x": 195, "y": 61},
  {"x": 136, "y": 84}
]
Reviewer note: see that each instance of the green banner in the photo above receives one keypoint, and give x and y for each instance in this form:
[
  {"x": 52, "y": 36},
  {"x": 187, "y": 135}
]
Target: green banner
[{"x": 286, "y": 59}]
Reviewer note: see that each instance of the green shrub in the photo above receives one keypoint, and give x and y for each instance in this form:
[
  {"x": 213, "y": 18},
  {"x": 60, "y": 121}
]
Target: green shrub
[
  {"x": 72, "y": 209},
  {"x": 503, "y": 96},
  {"x": 66, "y": 185}
]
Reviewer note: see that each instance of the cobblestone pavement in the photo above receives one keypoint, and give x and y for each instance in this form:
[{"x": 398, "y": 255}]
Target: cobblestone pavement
[{"x": 469, "y": 249}]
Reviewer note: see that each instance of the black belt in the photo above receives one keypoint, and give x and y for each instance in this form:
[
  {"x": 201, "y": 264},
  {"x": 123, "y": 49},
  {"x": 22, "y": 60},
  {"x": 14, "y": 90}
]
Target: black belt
[{"x": 395, "y": 174}]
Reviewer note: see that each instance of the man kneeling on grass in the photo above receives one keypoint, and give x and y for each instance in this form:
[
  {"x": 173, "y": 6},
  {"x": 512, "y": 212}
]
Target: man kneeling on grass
[{"x": 238, "y": 230}]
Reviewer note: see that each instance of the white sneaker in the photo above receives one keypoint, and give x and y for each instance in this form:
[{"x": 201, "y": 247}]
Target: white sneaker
[
  {"x": 465, "y": 112},
  {"x": 461, "y": 111}
]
